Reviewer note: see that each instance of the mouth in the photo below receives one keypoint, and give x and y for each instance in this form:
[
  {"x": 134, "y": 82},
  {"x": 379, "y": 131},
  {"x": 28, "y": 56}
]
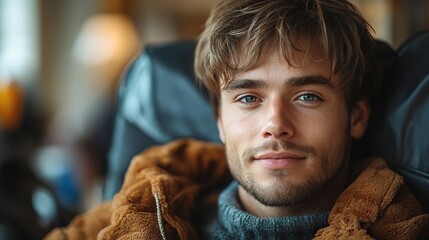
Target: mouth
[{"x": 279, "y": 160}]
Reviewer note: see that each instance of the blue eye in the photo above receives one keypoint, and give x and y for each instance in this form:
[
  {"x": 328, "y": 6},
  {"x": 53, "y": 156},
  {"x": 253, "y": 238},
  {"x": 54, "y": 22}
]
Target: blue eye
[
  {"x": 248, "y": 99},
  {"x": 308, "y": 97}
]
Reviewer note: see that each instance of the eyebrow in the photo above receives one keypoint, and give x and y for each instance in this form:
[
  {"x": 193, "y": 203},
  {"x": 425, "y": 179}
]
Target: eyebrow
[
  {"x": 236, "y": 84},
  {"x": 309, "y": 80},
  {"x": 243, "y": 84}
]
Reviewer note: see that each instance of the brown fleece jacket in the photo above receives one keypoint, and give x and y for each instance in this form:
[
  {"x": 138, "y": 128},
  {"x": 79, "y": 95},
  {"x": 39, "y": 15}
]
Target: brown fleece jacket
[{"x": 165, "y": 185}]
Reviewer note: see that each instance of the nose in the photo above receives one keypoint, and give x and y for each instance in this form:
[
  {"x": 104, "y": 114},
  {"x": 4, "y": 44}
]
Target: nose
[{"x": 278, "y": 121}]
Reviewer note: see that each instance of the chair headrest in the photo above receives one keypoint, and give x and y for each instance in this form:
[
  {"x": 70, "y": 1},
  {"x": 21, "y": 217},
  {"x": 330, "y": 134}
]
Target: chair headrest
[
  {"x": 399, "y": 130},
  {"x": 162, "y": 97}
]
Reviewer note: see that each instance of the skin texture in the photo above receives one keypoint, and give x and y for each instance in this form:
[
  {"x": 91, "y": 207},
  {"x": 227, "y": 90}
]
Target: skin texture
[{"x": 287, "y": 132}]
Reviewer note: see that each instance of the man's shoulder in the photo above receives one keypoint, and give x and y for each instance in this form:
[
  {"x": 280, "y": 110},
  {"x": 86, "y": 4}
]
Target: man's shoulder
[{"x": 378, "y": 203}]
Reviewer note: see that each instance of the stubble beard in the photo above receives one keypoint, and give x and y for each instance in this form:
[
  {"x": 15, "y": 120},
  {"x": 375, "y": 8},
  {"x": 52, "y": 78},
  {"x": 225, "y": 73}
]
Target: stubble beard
[{"x": 284, "y": 193}]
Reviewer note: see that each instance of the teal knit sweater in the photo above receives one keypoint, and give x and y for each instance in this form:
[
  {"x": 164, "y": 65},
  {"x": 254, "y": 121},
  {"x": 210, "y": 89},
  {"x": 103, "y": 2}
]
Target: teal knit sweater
[{"x": 234, "y": 223}]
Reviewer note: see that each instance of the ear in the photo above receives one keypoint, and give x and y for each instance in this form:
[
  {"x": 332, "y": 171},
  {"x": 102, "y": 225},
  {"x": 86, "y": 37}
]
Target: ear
[
  {"x": 359, "y": 118},
  {"x": 220, "y": 129}
]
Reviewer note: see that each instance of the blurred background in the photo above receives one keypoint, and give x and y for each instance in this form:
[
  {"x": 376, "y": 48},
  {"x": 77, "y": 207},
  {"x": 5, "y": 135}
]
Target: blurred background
[{"x": 60, "y": 63}]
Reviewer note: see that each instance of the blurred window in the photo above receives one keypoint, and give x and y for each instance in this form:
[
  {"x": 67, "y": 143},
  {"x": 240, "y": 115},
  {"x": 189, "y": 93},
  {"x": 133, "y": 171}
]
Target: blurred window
[{"x": 19, "y": 40}]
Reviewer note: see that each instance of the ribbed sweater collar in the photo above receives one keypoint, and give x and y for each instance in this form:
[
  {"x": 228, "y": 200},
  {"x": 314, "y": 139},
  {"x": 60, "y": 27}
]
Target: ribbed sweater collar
[{"x": 240, "y": 224}]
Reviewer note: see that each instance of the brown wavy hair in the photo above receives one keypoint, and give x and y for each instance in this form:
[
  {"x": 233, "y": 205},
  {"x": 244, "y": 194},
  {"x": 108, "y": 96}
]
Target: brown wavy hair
[{"x": 257, "y": 26}]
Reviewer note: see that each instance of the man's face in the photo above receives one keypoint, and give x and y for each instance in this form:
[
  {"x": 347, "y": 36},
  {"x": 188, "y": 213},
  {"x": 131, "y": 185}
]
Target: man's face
[{"x": 286, "y": 128}]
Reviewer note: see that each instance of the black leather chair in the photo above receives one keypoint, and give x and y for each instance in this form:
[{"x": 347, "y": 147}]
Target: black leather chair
[
  {"x": 159, "y": 101},
  {"x": 399, "y": 130}
]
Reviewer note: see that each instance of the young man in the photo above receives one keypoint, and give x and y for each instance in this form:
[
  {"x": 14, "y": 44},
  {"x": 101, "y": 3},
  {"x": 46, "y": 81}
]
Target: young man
[{"x": 290, "y": 87}]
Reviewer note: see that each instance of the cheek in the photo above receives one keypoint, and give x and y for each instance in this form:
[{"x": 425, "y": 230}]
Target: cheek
[
  {"x": 238, "y": 127},
  {"x": 330, "y": 140},
  {"x": 238, "y": 130},
  {"x": 323, "y": 129}
]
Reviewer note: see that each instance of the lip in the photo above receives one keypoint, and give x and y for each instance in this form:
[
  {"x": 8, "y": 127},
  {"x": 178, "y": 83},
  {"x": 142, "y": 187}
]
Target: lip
[
  {"x": 279, "y": 160},
  {"x": 280, "y": 155}
]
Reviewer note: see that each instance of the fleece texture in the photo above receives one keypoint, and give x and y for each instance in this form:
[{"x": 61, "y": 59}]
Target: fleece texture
[{"x": 167, "y": 186}]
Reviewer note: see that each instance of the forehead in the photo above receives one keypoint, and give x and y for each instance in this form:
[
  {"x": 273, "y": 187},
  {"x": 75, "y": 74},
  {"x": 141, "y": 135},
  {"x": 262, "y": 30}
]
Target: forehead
[{"x": 300, "y": 58}]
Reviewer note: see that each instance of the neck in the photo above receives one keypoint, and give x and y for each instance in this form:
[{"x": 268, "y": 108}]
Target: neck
[
  {"x": 232, "y": 221},
  {"x": 323, "y": 200}
]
